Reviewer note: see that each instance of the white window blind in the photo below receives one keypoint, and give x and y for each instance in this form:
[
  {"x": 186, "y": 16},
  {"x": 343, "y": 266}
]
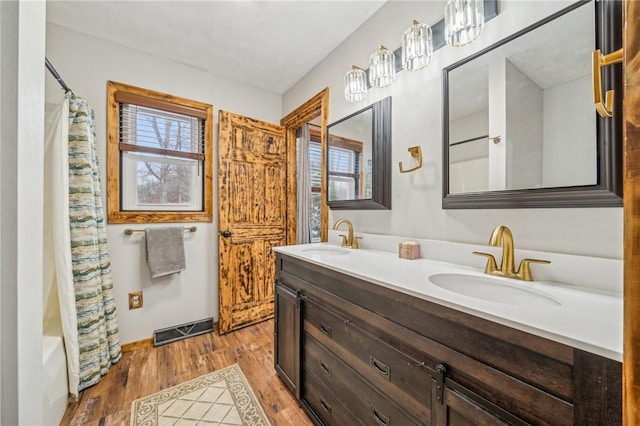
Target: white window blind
[
  {"x": 342, "y": 160},
  {"x": 160, "y": 132}
]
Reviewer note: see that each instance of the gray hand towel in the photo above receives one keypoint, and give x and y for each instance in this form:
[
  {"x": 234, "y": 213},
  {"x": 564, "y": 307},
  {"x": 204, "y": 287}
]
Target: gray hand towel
[{"x": 165, "y": 250}]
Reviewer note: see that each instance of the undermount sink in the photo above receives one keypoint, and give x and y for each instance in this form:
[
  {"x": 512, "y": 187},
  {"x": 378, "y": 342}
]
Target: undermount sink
[
  {"x": 493, "y": 290},
  {"x": 325, "y": 251}
]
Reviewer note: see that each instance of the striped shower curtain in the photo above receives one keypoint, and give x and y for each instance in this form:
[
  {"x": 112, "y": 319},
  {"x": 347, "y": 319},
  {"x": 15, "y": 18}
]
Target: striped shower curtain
[{"x": 97, "y": 322}]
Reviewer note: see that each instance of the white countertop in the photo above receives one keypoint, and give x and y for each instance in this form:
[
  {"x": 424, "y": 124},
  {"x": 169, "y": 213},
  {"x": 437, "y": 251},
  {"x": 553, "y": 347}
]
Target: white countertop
[{"x": 585, "y": 319}]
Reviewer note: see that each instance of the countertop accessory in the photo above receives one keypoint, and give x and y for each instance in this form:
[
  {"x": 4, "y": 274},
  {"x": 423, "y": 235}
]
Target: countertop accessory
[{"x": 409, "y": 250}]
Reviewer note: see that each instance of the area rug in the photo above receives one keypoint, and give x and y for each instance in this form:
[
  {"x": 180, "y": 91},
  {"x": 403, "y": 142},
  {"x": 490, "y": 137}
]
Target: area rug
[{"x": 220, "y": 398}]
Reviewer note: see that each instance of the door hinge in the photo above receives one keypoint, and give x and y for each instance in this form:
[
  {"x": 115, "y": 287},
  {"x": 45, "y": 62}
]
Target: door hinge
[{"x": 441, "y": 370}]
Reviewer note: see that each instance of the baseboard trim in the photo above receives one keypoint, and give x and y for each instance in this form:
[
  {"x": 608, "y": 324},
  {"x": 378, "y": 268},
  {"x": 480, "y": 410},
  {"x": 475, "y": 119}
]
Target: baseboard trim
[
  {"x": 134, "y": 346},
  {"x": 139, "y": 344}
]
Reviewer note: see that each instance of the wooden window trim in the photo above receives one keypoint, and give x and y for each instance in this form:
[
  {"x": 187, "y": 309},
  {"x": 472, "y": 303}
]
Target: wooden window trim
[
  {"x": 337, "y": 141},
  {"x": 119, "y": 92}
]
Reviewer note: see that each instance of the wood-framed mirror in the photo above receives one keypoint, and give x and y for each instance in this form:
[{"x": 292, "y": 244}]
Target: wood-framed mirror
[
  {"x": 359, "y": 159},
  {"x": 520, "y": 129}
]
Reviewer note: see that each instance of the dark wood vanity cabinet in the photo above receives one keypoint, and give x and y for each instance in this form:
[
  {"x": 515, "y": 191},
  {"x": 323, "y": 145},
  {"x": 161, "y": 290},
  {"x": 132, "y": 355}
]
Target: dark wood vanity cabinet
[{"x": 354, "y": 353}]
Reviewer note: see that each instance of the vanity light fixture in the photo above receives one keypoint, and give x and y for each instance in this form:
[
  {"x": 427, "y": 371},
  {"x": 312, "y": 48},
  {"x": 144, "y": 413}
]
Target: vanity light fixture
[
  {"x": 355, "y": 84},
  {"x": 417, "y": 47},
  {"x": 463, "y": 21},
  {"x": 382, "y": 67}
]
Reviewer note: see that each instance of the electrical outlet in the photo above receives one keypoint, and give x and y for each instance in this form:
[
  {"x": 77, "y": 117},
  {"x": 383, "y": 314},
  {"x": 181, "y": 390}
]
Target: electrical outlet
[{"x": 135, "y": 300}]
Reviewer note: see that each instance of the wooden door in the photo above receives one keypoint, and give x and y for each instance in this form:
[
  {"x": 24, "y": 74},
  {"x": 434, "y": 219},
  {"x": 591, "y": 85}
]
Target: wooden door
[
  {"x": 252, "y": 195},
  {"x": 631, "y": 129}
]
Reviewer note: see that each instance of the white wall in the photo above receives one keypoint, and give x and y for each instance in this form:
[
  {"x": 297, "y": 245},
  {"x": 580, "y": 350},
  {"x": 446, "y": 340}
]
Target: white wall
[
  {"x": 524, "y": 130},
  {"x": 417, "y": 120},
  {"x": 469, "y": 162},
  {"x": 86, "y": 64},
  {"x": 22, "y": 38},
  {"x": 569, "y": 134},
  {"x": 469, "y": 127}
]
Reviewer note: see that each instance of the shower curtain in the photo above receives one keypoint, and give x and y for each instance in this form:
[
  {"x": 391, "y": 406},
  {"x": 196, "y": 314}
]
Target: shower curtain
[
  {"x": 58, "y": 295},
  {"x": 79, "y": 246}
]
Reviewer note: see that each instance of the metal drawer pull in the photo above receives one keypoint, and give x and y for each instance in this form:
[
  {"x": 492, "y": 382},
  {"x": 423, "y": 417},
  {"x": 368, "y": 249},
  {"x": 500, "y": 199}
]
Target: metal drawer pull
[
  {"x": 326, "y": 368},
  {"x": 326, "y": 407},
  {"x": 379, "y": 366},
  {"x": 380, "y": 418},
  {"x": 325, "y": 329}
]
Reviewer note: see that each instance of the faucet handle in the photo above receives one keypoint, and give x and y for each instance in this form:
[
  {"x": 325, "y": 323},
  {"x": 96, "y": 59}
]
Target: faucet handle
[
  {"x": 524, "y": 271},
  {"x": 344, "y": 240},
  {"x": 355, "y": 244},
  {"x": 491, "y": 262}
]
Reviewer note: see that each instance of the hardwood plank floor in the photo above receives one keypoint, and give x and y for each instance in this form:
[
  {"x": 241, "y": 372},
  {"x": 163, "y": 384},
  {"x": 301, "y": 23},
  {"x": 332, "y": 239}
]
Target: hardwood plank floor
[{"x": 148, "y": 370}]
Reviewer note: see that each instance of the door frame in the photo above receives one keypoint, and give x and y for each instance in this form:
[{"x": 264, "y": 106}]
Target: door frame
[
  {"x": 631, "y": 188},
  {"x": 317, "y": 106}
]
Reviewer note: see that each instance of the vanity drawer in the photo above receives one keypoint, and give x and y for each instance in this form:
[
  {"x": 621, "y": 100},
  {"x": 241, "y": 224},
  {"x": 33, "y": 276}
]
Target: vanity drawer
[
  {"x": 399, "y": 376},
  {"x": 369, "y": 406},
  {"x": 327, "y": 324},
  {"x": 325, "y": 405}
]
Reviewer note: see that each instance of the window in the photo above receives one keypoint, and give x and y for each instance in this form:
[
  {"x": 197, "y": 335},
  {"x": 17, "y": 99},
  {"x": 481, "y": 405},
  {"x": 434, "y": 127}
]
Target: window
[
  {"x": 345, "y": 169},
  {"x": 159, "y": 157},
  {"x": 344, "y": 174}
]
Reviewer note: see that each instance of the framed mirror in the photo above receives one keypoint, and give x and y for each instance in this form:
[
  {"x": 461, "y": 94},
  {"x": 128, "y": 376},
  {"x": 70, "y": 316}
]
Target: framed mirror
[
  {"x": 359, "y": 159},
  {"x": 520, "y": 128}
]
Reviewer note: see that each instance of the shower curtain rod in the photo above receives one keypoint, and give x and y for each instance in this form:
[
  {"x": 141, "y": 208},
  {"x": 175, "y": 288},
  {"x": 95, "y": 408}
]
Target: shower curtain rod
[{"x": 55, "y": 75}]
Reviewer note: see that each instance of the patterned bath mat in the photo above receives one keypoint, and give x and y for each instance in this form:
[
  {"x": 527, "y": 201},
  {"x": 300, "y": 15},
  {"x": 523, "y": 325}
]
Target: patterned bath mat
[{"x": 221, "y": 398}]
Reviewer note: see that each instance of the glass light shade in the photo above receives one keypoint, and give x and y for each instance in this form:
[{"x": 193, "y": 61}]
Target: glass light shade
[
  {"x": 382, "y": 67},
  {"x": 417, "y": 47},
  {"x": 463, "y": 21},
  {"x": 355, "y": 84}
]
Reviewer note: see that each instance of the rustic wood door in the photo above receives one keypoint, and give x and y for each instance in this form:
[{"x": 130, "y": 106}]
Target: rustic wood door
[
  {"x": 252, "y": 194},
  {"x": 631, "y": 129}
]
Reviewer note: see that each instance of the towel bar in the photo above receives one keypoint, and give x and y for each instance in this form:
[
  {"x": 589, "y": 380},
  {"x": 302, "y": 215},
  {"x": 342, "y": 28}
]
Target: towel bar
[{"x": 130, "y": 231}]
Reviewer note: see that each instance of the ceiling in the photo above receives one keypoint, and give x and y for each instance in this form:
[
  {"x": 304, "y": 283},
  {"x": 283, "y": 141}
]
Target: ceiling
[{"x": 266, "y": 44}]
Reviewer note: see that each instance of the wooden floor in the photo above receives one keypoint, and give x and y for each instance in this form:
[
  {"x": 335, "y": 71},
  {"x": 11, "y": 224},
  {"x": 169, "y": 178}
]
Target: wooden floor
[{"x": 148, "y": 370}]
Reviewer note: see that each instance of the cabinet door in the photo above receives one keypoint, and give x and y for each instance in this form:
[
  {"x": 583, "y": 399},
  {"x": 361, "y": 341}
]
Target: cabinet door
[
  {"x": 458, "y": 410},
  {"x": 287, "y": 337}
]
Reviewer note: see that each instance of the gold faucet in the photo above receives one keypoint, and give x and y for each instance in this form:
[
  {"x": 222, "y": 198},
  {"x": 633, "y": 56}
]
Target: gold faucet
[
  {"x": 501, "y": 236},
  {"x": 347, "y": 240}
]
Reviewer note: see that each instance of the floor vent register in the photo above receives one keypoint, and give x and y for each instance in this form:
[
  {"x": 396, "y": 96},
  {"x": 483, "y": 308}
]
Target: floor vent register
[{"x": 182, "y": 331}]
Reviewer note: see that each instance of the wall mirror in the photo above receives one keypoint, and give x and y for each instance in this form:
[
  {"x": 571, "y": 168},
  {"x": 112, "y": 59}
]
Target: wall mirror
[
  {"x": 359, "y": 159},
  {"x": 520, "y": 128}
]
